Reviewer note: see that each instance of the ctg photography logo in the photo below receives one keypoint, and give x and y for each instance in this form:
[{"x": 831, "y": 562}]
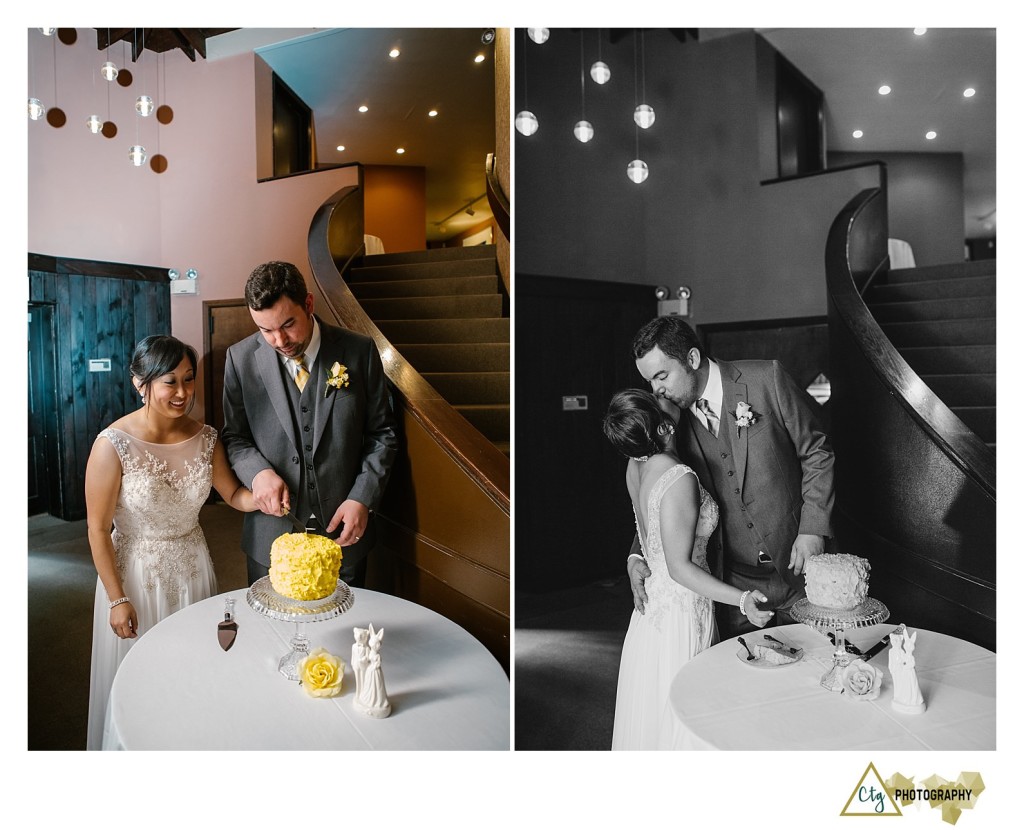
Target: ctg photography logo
[{"x": 873, "y": 796}]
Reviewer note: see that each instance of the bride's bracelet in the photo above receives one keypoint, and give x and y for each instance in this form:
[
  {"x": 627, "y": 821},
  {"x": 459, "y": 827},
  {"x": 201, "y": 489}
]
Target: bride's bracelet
[
  {"x": 119, "y": 601},
  {"x": 743, "y": 599}
]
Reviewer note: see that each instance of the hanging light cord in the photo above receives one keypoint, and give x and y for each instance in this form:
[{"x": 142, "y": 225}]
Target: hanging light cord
[
  {"x": 526, "y": 97},
  {"x": 636, "y": 127},
  {"x": 583, "y": 94}
]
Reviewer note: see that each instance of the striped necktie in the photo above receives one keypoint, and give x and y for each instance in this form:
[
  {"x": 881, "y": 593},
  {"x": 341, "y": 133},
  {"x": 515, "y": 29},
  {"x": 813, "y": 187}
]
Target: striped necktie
[
  {"x": 709, "y": 414},
  {"x": 301, "y": 372}
]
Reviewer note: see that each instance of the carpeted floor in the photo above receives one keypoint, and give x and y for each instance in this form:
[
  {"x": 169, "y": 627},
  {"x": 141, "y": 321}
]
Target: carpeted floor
[
  {"x": 567, "y": 648},
  {"x": 61, "y": 587}
]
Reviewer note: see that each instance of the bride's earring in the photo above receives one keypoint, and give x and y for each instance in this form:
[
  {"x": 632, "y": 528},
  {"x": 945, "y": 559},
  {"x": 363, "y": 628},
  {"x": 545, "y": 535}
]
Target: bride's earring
[{"x": 665, "y": 428}]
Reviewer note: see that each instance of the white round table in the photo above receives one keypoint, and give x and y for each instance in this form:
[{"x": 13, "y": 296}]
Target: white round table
[
  {"x": 177, "y": 689},
  {"x": 723, "y": 702}
]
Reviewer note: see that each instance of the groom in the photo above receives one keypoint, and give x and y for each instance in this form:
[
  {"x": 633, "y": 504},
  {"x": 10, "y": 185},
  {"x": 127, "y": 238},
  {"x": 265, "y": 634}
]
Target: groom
[
  {"x": 307, "y": 423},
  {"x": 755, "y": 440}
]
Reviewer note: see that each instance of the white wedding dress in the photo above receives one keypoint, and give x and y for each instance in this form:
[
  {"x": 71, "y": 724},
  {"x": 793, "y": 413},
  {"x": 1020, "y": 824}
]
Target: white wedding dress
[
  {"x": 676, "y": 625},
  {"x": 160, "y": 550}
]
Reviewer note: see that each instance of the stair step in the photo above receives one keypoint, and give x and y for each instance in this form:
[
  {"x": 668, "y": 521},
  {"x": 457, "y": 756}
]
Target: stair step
[
  {"x": 471, "y": 387},
  {"x": 981, "y": 420},
  {"x": 492, "y": 420},
  {"x": 419, "y": 308},
  {"x": 463, "y": 330},
  {"x": 430, "y": 287},
  {"x": 935, "y": 360},
  {"x": 432, "y": 255},
  {"x": 975, "y": 332},
  {"x": 955, "y": 270},
  {"x": 963, "y": 390},
  {"x": 958, "y": 308},
  {"x": 425, "y": 270},
  {"x": 932, "y": 289},
  {"x": 457, "y": 357}
]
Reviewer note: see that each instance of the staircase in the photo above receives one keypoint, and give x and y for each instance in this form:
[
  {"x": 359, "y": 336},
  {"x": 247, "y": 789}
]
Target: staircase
[
  {"x": 445, "y": 310},
  {"x": 942, "y": 320}
]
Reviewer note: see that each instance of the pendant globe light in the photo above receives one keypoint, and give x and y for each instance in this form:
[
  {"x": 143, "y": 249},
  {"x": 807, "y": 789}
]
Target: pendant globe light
[
  {"x": 144, "y": 105},
  {"x": 538, "y": 36},
  {"x": 583, "y": 130},
  {"x": 637, "y": 169},
  {"x": 108, "y": 70},
  {"x": 526, "y": 122},
  {"x": 600, "y": 71},
  {"x": 643, "y": 115}
]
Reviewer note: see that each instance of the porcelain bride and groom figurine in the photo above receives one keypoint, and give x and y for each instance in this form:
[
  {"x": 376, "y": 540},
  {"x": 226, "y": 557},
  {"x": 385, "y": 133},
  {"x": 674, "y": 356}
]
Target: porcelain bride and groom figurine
[{"x": 731, "y": 480}]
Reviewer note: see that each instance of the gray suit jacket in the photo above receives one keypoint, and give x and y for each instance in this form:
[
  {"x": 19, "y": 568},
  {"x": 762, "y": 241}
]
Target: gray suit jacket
[
  {"x": 783, "y": 462},
  {"x": 354, "y": 442}
]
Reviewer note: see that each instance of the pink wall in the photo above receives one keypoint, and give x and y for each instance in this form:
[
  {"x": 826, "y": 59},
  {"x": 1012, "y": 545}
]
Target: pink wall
[{"x": 207, "y": 211}]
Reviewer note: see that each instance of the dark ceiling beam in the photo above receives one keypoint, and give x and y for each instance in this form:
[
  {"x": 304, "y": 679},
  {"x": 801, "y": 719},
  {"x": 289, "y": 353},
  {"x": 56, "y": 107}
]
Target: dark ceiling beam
[
  {"x": 188, "y": 41},
  {"x": 191, "y": 41},
  {"x": 615, "y": 35}
]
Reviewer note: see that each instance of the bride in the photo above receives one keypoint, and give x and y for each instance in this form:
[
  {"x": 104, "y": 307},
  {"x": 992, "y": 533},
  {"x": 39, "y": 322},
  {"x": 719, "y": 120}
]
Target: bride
[
  {"x": 148, "y": 475},
  {"x": 674, "y": 516}
]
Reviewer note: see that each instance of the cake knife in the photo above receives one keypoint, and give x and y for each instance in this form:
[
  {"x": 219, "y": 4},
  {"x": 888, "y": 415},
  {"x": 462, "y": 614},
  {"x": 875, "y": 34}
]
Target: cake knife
[
  {"x": 881, "y": 644},
  {"x": 227, "y": 630},
  {"x": 299, "y": 526}
]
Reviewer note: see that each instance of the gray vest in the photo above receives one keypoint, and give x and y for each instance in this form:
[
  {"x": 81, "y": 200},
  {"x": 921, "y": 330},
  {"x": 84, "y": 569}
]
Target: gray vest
[
  {"x": 303, "y": 408},
  {"x": 741, "y": 540}
]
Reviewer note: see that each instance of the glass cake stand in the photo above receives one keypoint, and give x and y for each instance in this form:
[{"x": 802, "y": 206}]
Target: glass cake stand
[
  {"x": 263, "y": 599},
  {"x": 824, "y": 620}
]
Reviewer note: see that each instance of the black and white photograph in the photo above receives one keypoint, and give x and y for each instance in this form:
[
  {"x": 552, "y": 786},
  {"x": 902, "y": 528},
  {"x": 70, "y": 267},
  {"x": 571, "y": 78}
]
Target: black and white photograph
[{"x": 756, "y": 287}]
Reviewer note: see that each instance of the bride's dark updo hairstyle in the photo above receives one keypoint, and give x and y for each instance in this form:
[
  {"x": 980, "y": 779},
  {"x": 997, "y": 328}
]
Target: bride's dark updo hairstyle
[
  {"x": 157, "y": 355},
  {"x": 632, "y": 423}
]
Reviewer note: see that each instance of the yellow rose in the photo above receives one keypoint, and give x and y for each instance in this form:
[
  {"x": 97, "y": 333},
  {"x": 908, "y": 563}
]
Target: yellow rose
[
  {"x": 321, "y": 673},
  {"x": 862, "y": 681}
]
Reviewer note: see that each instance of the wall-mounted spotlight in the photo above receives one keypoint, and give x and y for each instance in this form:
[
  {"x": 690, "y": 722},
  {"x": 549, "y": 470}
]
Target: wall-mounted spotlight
[
  {"x": 679, "y": 306},
  {"x": 183, "y": 286}
]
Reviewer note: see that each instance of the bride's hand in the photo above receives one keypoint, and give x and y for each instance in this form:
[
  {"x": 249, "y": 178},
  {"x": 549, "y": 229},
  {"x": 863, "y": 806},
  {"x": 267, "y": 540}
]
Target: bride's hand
[
  {"x": 123, "y": 621},
  {"x": 752, "y": 612}
]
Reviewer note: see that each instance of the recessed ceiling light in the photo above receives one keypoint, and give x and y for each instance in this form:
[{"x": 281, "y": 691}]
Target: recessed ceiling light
[
  {"x": 432, "y": 113},
  {"x": 858, "y": 133},
  {"x": 920, "y": 30},
  {"x": 930, "y": 134},
  {"x": 478, "y": 59},
  {"x": 394, "y": 53},
  {"x": 400, "y": 150},
  {"x": 341, "y": 148},
  {"x": 969, "y": 92},
  {"x": 364, "y": 108},
  {"x": 884, "y": 89}
]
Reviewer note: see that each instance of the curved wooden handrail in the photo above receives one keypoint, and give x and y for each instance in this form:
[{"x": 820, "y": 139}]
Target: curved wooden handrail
[
  {"x": 496, "y": 197},
  {"x": 849, "y": 270},
  {"x": 915, "y": 489},
  {"x": 484, "y": 463}
]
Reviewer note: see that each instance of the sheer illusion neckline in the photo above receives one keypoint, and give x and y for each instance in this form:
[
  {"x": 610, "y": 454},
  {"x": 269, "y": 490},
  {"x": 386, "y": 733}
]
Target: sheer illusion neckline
[{"x": 202, "y": 429}]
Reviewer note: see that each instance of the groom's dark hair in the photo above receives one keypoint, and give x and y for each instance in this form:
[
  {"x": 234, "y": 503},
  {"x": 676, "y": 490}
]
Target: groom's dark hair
[
  {"x": 671, "y": 334},
  {"x": 272, "y": 280}
]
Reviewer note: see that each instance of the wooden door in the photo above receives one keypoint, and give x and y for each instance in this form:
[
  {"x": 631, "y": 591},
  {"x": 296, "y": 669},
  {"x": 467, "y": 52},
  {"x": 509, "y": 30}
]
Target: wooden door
[
  {"x": 42, "y": 411},
  {"x": 227, "y": 322}
]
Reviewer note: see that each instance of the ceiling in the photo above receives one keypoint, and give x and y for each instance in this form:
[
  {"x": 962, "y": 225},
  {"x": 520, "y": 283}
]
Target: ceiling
[
  {"x": 335, "y": 71},
  {"x": 928, "y": 74}
]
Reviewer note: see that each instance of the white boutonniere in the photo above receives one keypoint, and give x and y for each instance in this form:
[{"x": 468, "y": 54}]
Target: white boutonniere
[
  {"x": 337, "y": 378},
  {"x": 744, "y": 416}
]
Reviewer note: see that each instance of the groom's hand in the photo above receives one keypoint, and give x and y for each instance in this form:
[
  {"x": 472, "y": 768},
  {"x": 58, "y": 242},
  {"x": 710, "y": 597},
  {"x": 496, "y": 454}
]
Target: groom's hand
[
  {"x": 804, "y": 547},
  {"x": 638, "y": 571},
  {"x": 355, "y": 515},
  {"x": 270, "y": 492}
]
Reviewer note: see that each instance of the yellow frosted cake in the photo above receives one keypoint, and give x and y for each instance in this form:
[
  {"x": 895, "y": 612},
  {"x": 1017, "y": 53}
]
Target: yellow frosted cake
[
  {"x": 304, "y": 566},
  {"x": 836, "y": 580}
]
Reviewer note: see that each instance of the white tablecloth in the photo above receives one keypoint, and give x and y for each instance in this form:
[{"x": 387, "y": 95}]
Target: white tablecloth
[
  {"x": 177, "y": 689},
  {"x": 724, "y": 703}
]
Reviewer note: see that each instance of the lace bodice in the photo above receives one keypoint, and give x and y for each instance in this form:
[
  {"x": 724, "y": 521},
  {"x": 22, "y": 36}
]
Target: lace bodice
[
  {"x": 662, "y": 590},
  {"x": 156, "y": 519}
]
